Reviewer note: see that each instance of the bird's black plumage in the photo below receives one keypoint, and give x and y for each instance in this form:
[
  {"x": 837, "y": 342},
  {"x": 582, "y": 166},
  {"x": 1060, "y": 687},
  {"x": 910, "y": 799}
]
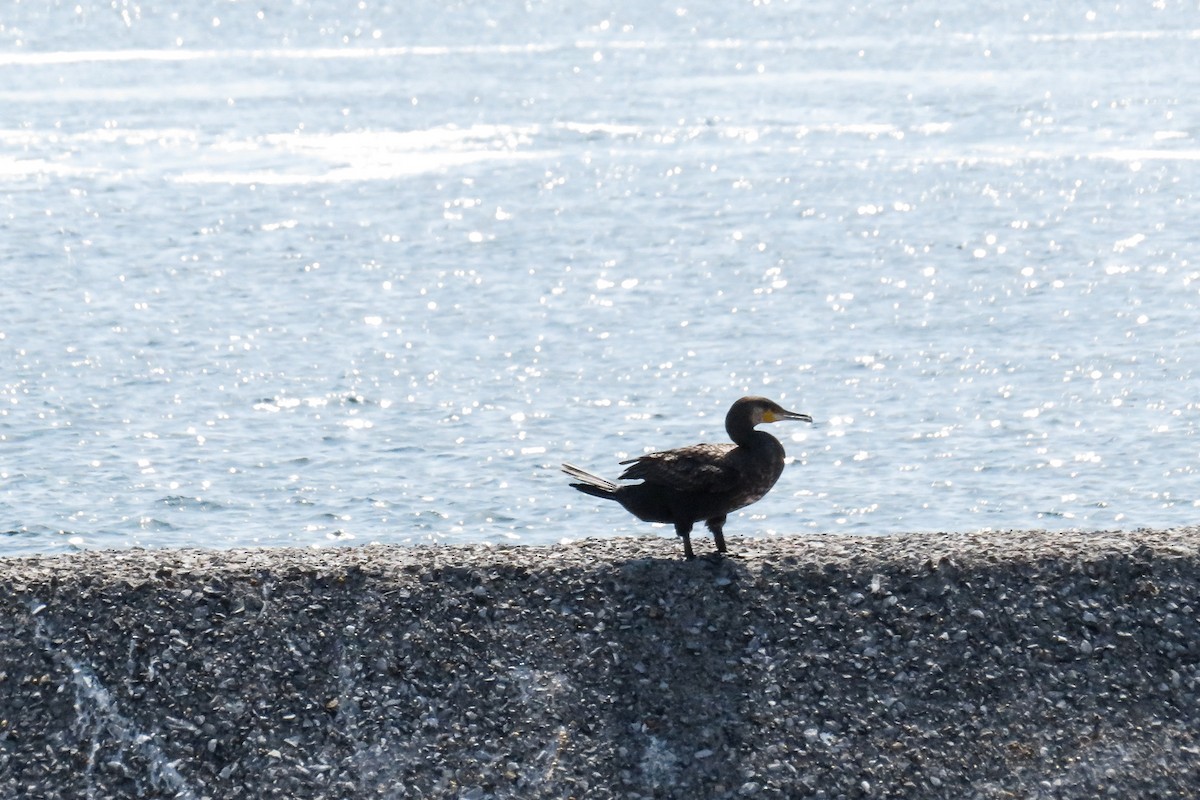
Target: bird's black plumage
[{"x": 704, "y": 481}]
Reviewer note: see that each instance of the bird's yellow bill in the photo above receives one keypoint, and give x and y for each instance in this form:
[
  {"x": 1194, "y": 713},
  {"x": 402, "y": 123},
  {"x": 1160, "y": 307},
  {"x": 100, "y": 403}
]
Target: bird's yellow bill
[{"x": 771, "y": 416}]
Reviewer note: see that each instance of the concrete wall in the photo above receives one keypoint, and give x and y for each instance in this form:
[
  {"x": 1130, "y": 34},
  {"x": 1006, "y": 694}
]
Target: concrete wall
[{"x": 1012, "y": 664}]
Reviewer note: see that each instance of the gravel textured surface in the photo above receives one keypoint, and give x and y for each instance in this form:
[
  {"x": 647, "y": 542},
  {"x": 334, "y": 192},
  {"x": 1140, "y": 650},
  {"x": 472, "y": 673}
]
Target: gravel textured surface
[{"x": 1019, "y": 664}]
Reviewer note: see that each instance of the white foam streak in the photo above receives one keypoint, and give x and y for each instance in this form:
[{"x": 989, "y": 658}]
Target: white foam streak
[
  {"x": 396, "y": 167},
  {"x": 1135, "y": 156},
  {"x": 367, "y": 155},
  {"x": 1106, "y": 36},
  {"x": 60, "y": 57},
  {"x": 175, "y": 55},
  {"x": 18, "y": 168}
]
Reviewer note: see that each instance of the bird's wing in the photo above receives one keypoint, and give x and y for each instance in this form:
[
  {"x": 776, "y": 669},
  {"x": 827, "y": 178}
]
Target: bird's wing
[{"x": 699, "y": 468}]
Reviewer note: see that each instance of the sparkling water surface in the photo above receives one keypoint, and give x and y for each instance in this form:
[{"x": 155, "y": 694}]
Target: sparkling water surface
[{"x": 342, "y": 273}]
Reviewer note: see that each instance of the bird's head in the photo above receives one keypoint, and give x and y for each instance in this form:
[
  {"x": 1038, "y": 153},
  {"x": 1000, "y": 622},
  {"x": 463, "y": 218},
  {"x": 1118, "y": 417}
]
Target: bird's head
[{"x": 760, "y": 409}]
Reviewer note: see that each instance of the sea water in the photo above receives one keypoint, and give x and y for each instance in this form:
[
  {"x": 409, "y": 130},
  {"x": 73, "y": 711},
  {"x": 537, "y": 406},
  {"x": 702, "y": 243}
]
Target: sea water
[{"x": 325, "y": 272}]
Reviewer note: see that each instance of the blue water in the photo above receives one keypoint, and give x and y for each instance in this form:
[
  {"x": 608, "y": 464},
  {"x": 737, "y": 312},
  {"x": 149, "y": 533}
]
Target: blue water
[{"x": 324, "y": 273}]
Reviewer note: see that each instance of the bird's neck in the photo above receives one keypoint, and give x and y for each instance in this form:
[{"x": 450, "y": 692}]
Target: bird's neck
[{"x": 747, "y": 436}]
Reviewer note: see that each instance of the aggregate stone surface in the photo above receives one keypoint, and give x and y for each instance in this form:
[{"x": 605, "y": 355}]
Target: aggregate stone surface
[{"x": 1010, "y": 664}]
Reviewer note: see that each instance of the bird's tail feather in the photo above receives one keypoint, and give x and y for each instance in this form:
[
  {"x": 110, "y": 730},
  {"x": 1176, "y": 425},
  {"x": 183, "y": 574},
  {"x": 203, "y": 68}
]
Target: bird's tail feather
[{"x": 591, "y": 484}]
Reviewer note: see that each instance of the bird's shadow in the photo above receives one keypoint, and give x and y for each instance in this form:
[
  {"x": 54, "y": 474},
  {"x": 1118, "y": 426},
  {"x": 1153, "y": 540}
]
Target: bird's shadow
[{"x": 679, "y": 630}]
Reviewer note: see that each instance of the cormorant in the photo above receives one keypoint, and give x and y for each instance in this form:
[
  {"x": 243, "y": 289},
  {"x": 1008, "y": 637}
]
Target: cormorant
[{"x": 703, "y": 481}]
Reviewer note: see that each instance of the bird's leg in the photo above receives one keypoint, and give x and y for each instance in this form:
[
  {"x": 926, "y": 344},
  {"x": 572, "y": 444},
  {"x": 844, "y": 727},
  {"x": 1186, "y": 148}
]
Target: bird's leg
[
  {"x": 717, "y": 526},
  {"x": 684, "y": 531}
]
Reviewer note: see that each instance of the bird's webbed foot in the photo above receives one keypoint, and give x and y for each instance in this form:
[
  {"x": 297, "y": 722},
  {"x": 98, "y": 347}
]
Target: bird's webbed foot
[{"x": 719, "y": 556}]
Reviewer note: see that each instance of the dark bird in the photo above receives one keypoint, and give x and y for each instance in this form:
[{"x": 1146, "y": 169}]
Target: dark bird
[{"x": 703, "y": 481}]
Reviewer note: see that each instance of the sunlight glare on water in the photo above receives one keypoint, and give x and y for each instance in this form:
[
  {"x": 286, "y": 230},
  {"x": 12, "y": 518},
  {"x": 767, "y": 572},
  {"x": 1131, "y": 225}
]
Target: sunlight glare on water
[{"x": 326, "y": 274}]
